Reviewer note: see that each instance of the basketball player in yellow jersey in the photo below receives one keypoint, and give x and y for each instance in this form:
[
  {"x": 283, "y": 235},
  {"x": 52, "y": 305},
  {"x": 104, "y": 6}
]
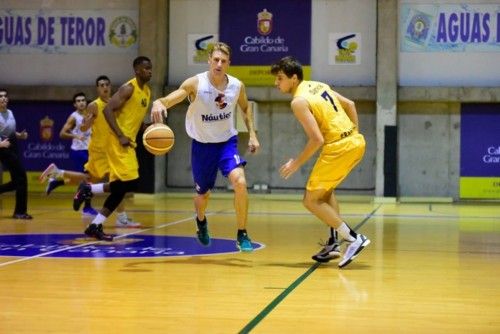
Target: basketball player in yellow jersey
[
  {"x": 96, "y": 169},
  {"x": 124, "y": 113},
  {"x": 330, "y": 122}
]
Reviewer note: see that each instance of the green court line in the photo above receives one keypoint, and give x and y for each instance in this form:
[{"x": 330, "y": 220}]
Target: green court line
[
  {"x": 277, "y": 300},
  {"x": 255, "y": 321}
]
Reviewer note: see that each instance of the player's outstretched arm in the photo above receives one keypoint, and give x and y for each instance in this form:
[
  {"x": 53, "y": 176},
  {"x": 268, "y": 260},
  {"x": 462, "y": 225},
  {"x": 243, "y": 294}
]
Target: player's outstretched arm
[{"x": 160, "y": 106}]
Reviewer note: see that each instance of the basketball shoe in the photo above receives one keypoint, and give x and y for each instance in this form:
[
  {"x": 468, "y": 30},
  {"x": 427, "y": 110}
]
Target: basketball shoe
[
  {"x": 202, "y": 233},
  {"x": 84, "y": 192},
  {"x": 53, "y": 184},
  {"x": 244, "y": 243},
  {"x": 330, "y": 251},
  {"x": 96, "y": 231},
  {"x": 89, "y": 211},
  {"x": 127, "y": 223},
  {"x": 51, "y": 172},
  {"x": 353, "y": 249}
]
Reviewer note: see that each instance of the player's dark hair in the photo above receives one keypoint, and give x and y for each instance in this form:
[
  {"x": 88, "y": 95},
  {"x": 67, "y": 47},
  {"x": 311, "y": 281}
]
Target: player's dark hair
[
  {"x": 101, "y": 77},
  {"x": 78, "y": 95},
  {"x": 139, "y": 60},
  {"x": 288, "y": 65}
]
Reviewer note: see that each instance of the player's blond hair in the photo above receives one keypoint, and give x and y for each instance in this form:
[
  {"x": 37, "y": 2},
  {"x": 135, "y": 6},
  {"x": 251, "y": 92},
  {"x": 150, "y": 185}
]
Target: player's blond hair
[{"x": 220, "y": 46}]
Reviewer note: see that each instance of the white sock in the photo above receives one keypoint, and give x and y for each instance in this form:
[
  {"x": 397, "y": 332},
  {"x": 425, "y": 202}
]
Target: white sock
[
  {"x": 99, "y": 219},
  {"x": 345, "y": 232},
  {"x": 121, "y": 215},
  {"x": 97, "y": 188}
]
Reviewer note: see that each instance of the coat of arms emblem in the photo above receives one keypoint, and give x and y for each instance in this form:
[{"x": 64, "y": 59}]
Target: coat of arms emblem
[{"x": 264, "y": 22}]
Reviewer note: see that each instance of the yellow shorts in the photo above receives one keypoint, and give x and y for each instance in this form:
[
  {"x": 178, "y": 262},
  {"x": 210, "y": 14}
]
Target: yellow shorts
[
  {"x": 335, "y": 162},
  {"x": 122, "y": 161},
  {"x": 97, "y": 166}
]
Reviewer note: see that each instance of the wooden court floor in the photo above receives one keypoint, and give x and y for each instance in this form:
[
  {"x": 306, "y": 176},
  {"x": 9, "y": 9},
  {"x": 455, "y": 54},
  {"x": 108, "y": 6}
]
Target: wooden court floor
[{"x": 431, "y": 268}]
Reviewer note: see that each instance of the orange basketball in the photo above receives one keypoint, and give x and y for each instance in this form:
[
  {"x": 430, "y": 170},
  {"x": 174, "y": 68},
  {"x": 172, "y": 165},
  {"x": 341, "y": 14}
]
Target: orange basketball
[{"x": 158, "y": 139}]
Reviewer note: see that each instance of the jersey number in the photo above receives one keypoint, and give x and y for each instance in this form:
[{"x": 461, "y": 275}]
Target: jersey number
[{"x": 327, "y": 97}]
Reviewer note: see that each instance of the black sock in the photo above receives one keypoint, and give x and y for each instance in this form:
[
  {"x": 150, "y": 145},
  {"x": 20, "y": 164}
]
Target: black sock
[
  {"x": 333, "y": 236},
  {"x": 58, "y": 183},
  {"x": 242, "y": 232},
  {"x": 201, "y": 222},
  {"x": 352, "y": 233}
]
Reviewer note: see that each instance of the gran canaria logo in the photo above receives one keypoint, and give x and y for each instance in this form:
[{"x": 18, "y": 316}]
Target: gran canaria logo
[
  {"x": 46, "y": 129},
  {"x": 123, "y": 32},
  {"x": 264, "y": 22}
]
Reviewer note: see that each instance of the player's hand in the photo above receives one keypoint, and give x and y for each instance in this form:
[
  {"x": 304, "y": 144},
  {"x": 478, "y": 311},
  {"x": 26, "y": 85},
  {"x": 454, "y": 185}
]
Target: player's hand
[
  {"x": 288, "y": 169},
  {"x": 253, "y": 145},
  {"x": 23, "y": 135},
  {"x": 125, "y": 141},
  {"x": 158, "y": 111},
  {"x": 5, "y": 143}
]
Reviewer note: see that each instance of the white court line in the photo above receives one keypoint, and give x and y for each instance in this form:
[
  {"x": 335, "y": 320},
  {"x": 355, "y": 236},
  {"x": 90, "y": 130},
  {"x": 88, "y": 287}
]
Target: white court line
[{"x": 97, "y": 241}]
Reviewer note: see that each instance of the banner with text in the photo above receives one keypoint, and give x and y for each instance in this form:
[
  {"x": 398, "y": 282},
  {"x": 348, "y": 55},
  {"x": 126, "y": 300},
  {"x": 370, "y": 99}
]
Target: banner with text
[
  {"x": 43, "y": 121},
  {"x": 260, "y": 32},
  {"x": 450, "y": 28},
  {"x": 480, "y": 151},
  {"x": 68, "y": 31}
]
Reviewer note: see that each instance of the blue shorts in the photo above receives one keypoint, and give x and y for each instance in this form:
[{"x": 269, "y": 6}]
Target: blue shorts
[
  {"x": 208, "y": 158},
  {"x": 79, "y": 158}
]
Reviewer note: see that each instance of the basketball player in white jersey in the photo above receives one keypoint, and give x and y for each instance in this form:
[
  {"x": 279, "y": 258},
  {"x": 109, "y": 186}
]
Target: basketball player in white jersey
[
  {"x": 214, "y": 96},
  {"x": 71, "y": 130}
]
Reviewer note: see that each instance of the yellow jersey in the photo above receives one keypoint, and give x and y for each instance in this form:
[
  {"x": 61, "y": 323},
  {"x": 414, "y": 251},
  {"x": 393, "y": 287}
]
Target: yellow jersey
[
  {"x": 133, "y": 111},
  {"x": 123, "y": 164},
  {"x": 100, "y": 128},
  {"x": 332, "y": 119}
]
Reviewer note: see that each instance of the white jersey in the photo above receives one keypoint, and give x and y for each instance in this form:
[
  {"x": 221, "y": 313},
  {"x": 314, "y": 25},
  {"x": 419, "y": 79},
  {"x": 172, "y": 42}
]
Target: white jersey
[
  {"x": 7, "y": 124},
  {"x": 210, "y": 117},
  {"x": 78, "y": 144}
]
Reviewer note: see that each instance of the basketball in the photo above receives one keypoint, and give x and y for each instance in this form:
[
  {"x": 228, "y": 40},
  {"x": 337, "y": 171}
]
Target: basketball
[{"x": 158, "y": 139}]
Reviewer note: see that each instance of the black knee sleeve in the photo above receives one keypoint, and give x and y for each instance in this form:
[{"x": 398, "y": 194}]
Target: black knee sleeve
[{"x": 118, "y": 190}]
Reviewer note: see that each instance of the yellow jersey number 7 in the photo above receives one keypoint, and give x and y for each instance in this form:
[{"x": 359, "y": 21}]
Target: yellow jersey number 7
[{"x": 327, "y": 97}]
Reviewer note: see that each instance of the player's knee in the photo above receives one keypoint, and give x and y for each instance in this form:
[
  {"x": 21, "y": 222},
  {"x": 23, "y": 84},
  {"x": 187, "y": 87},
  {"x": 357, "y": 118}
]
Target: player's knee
[
  {"x": 309, "y": 202},
  {"x": 239, "y": 183},
  {"x": 238, "y": 180}
]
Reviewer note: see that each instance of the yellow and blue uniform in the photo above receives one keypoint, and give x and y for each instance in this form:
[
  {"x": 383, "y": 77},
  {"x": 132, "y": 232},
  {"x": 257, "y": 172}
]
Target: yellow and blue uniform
[
  {"x": 97, "y": 164},
  {"x": 122, "y": 160},
  {"x": 344, "y": 147}
]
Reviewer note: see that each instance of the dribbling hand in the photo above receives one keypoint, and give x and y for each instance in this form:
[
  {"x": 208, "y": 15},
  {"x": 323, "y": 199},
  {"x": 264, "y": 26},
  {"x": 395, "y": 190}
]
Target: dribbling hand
[{"x": 158, "y": 112}]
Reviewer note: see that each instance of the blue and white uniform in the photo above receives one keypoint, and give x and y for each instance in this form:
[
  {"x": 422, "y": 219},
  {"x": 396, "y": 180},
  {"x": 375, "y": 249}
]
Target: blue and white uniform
[
  {"x": 79, "y": 148},
  {"x": 210, "y": 123}
]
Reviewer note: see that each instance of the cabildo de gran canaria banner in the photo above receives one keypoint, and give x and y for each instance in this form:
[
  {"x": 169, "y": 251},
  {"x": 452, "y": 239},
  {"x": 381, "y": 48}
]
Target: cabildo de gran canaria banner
[
  {"x": 480, "y": 151},
  {"x": 450, "y": 28},
  {"x": 260, "y": 32},
  {"x": 68, "y": 31}
]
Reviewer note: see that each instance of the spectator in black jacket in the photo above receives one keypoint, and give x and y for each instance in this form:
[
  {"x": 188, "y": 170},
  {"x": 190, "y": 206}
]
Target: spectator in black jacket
[{"x": 9, "y": 157}]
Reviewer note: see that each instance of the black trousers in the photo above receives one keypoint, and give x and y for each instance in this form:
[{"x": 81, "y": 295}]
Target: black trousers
[{"x": 18, "y": 179}]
